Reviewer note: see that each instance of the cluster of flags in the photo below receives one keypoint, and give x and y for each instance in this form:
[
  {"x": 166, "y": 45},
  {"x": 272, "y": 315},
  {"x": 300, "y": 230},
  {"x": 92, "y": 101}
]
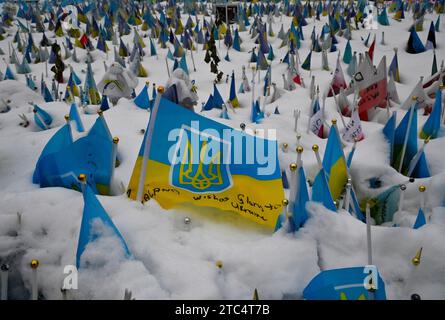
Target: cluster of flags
[{"x": 88, "y": 26}]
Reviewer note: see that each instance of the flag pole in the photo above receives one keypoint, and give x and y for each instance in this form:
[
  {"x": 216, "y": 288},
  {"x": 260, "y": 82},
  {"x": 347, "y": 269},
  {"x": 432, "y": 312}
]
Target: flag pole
[
  {"x": 369, "y": 244},
  {"x": 297, "y": 114},
  {"x": 368, "y": 233},
  {"x": 416, "y": 158},
  {"x": 401, "y": 198},
  {"x": 168, "y": 70},
  {"x": 4, "y": 269},
  {"x": 405, "y": 142},
  {"x": 338, "y": 107},
  {"x": 348, "y": 194},
  {"x": 34, "y": 285},
  {"x": 148, "y": 141},
  {"x": 191, "y": 54},
  {"x": 315, "y": 148}
]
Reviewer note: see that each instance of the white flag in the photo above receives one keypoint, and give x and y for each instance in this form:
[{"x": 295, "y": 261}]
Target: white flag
[{"x": 353, "y": 131}]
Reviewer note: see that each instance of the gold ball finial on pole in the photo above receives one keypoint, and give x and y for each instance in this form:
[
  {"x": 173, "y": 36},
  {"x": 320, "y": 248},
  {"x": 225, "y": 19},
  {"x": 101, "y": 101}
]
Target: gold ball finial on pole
[
  {"x": 67, "y": 118},
  {"x": 160, "y": 89},
  {"x": 115, "y": 140},
  {"x": 315, "y": 147},
  {"x": 334, "y": 121},
  {"x": 34, "y": 263},
  {"x": 285, "y": 202},
  {"x": 299, "y": 149},
  {"x": 82, "y": 178},
  {"x": 417, "y": 257},
  {"x": 422, "y": 188},
  {"x": 293, "y": 166},
  {"x": 219, "y": 264},
  {"x": 414, "y": 98}
]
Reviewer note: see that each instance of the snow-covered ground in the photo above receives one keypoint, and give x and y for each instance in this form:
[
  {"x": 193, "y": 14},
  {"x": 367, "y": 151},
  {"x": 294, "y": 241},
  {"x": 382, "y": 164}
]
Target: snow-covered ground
[{"x": 176, "y": 261}]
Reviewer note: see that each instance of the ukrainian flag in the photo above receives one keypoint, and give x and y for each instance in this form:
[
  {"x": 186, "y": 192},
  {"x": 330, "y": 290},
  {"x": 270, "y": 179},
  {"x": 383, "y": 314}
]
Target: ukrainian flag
[
  {"x": 334, "y": 164},
  {"x": 233, "y": 98},
  {"x": 431, "y": 127},
  {"x": 202, "y": 162}
]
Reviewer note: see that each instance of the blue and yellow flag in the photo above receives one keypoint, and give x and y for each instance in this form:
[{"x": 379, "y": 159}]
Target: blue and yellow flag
[
  {"x": 205, "y": 163},
  {"x": 334, "y": 164},
  {"x": 346, "y": 284},
  {"x": 431, "y": 127},
  {"x": 232, "y": 97}
]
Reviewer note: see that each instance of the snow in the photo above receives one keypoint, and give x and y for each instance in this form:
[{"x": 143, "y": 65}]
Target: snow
[{"x": 176, "y": 261}]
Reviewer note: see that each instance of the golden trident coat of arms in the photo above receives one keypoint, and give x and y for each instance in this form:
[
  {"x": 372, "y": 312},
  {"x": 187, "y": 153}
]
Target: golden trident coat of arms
[{"x": 208, "y": 174}]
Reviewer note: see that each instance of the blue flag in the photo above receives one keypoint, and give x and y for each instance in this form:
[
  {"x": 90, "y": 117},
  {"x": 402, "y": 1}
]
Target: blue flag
[
  {"x": 217, "y": 99},
  {"x": 399, "y": 139},
  {"x": 345, "y": 284},
  {"x": 431, "y": 127},
  {"x": 92, "y": 155},
  {"x": 420, "y": 220},
  {"x": 209, "y": 104},
  {"x": 142, "y": 100},
  {"x": 61, "y": 139},
  {"x": 42, "y": 118},
  {"x": 298, "y": 204},
  {"x": 74, "y": 116},
  {"x": 94, "y": 213},
  {"x": 321, "y": 193},
  {"x": 389, "y": 132},
  {"x": 104, "y": 103}
]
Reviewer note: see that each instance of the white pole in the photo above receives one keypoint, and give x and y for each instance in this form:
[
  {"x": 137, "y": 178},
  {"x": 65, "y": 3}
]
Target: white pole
[
  {"x": 34, "y": 283},
  {"x": 338, "y": 107},
  {"x": 405, "y": 142},
  {"x": 401, "y": 197},
  {"x": 368, "y": 233},
  {"x": 168, "y": 70},
  {"x": 416, "y": 158},
  {"x": 317, "y": 155},
  {"x": 296, "y": 116},
  {"x": 4, "y": 281},
  {"x": 422, "y": 189},
  {"x": 253, "y": 85},
  {"x": 147, "y": 146},
  {"x": 299, "y": 152},
  {"x": 348, "y": 194}
]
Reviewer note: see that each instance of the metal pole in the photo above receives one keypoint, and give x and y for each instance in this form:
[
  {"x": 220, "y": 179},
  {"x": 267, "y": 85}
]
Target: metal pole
[
  {"x": 147, "y": 146},
  {"x": 368, "y": 233},
  {"x": 4, "y": 282}
]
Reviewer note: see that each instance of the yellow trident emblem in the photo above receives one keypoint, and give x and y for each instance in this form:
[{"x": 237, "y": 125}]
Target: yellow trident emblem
[{"x": 200, "y": 178}]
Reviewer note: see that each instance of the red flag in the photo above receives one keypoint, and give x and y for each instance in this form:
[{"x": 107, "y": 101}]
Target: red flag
[
  {"x": 372, "y": 96},
  {"x": 297, "y": 79},
  {"x": 375, "y": 93},
  {"x": 371, "y": 50},
  {"x": 84, "y": 40}
]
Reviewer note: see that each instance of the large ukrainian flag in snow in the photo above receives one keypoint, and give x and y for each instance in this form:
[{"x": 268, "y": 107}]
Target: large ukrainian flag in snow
[{"x": 193, "y": 159}]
